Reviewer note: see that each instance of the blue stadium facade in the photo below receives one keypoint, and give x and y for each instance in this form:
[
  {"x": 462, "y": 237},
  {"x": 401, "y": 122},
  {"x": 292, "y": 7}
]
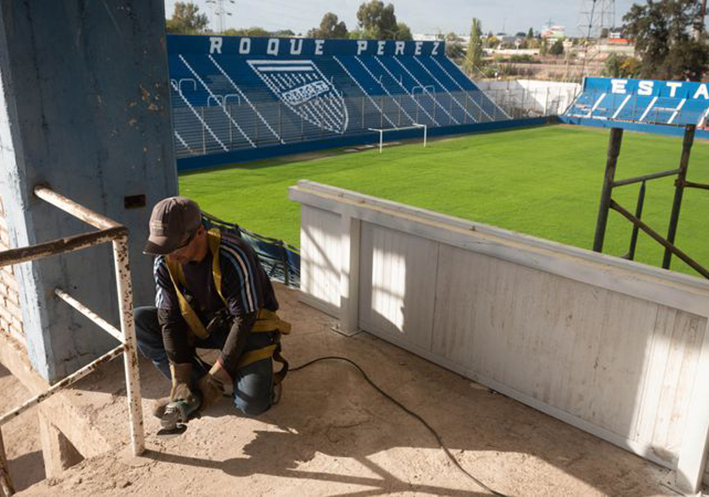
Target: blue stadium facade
[
  {"x": 242, "y": 98},
  {"x": 641, "y": 105}
]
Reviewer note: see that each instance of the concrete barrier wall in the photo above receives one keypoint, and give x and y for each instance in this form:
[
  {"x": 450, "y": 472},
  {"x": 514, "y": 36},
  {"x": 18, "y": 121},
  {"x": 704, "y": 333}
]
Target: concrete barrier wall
[
  {"x": 538, "y": 97},
  {"x": 616, "y": 348}
]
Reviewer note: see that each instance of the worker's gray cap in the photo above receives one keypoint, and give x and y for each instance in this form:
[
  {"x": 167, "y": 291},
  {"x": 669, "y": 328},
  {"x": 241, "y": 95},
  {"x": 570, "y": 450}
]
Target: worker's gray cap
[{"x": 173, "y": 221}]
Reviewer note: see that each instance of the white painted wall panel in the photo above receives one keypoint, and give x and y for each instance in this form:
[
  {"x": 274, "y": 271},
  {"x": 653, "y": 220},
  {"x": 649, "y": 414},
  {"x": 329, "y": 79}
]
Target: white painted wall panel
[
  {"x": 320, "y": 257},
  {"x": 617, "y": 348},
  {"x": 397, "y": 284},
  {"x": 560, "y": 341}
]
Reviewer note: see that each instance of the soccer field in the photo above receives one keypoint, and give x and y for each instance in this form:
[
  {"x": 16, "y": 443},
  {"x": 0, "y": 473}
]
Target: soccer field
[{"x": 543, "y": 181}]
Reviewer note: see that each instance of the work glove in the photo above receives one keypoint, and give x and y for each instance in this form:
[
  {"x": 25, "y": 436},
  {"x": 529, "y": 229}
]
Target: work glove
[
  {"x": 213, "y": 385},
  {"x": 180, "y": 389}
]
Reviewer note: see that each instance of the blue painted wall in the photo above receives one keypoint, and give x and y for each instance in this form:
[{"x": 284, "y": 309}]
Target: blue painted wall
[
  {"x": 213, "y": 160},
  {"x": 651, "y": 106},
  {"x": 86, "y": 109},
  {"x": 642, "y": 128}
]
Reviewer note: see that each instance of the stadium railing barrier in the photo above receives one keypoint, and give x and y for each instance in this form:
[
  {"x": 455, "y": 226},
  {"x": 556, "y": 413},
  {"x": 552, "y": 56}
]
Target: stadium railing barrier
[
  {"x": 117, "y": 235},
  {"x": 235, "y": 125}
]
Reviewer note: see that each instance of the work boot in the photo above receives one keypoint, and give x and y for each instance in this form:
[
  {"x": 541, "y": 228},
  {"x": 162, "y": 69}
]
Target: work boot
[{"x": 159, "y": 407}]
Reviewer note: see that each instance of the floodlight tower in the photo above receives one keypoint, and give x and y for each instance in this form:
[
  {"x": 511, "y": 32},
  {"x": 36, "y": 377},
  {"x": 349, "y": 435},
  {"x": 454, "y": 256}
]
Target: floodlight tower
[
  {"x": 221, "y": 10},
  {"x": 595, "y": 18}
]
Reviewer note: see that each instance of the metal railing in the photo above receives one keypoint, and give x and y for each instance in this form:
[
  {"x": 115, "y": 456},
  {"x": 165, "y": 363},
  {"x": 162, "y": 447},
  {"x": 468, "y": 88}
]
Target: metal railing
[
  {"x": 117, "y": 235},
  {"x": 203, "y": 130}
]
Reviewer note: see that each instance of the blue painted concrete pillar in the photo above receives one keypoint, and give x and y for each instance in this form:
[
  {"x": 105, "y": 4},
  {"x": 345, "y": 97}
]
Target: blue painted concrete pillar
[{"x": 84, "y": 108}]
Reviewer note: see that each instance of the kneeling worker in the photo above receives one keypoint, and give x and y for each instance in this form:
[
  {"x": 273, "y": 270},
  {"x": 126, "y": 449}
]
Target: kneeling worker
[{"x": 211, "y": 293}]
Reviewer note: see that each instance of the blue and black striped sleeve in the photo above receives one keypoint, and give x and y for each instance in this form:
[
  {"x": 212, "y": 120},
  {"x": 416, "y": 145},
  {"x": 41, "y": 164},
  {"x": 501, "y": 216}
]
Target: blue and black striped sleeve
[
  {"x": 240, "y": 279},
  {"x": 175, "y": 333}
]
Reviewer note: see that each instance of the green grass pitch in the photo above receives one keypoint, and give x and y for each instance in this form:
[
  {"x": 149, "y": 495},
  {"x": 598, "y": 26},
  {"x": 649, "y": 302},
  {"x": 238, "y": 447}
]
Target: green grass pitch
[{"x": 543, "y": 181}]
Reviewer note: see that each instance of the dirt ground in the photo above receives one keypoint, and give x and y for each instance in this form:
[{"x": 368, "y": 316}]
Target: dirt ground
[
  {"x": 333, "y": 434},
  {"x": 21, "y": 435}
]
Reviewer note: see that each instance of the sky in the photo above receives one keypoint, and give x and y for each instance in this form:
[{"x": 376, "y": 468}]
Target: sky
[{"x": 422, "y": 16}]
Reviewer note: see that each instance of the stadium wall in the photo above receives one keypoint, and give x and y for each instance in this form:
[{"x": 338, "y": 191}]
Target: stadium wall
[
  {"x": 639, "y": 127},
  {"x": 613, "y": 347},
  {"x": 213, "y": 160}
]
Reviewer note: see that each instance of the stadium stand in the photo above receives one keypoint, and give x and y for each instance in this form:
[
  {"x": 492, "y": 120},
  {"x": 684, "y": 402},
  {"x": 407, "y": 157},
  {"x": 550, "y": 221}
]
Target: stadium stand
[
  {"x": 642, "y": 105},
  {"x": 240, "y": 93}
]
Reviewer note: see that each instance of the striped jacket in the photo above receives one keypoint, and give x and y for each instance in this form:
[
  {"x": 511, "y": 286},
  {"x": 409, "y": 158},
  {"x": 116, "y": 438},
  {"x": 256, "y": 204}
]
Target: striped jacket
[{"x": 245, "y": 287}]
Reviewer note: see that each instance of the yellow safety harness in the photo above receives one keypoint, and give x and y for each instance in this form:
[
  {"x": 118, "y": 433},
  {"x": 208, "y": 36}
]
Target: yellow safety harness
[{"x": 266, "y": 321}]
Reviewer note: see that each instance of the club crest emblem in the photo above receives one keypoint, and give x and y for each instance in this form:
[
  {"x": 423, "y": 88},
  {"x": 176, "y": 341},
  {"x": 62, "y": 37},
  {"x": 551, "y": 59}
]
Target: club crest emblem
[{"x": 303, "y": 88}]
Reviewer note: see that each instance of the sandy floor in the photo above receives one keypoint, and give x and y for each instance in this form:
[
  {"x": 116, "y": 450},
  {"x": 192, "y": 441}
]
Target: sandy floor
[
  {"x": 21, "y": 435},
  {"x": 332, "y": 434}
]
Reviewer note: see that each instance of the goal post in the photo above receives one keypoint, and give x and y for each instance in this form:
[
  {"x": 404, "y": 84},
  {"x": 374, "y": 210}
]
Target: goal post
[{"x": 381, "y": 132}]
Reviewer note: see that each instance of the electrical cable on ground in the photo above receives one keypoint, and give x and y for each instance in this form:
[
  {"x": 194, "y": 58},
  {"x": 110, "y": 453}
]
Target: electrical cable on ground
[{"x": 406, "y": 410}]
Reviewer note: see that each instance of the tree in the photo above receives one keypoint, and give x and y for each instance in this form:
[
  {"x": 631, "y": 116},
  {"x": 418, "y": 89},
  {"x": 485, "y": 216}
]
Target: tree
[
  {"x": 186, "y": 20},
  {"x": 330, "y": 27},
  {"x": 403, "y": 32},
  {"x": 530, "y": 33},
  {"x": 557, "y": 48},
  {"x": 284, "y": 33},
  {"x": 474, "y": 57},
  {"x": 377, "y": 21},
  {"x": 454, "y": 49},
  {"x": 661, "y": 30},
  {"x": 254, "y": 31},
  {"x": 492, "y": 41},
  {"x": 356, "y": 34},
  {"x": 621, "y": 66}
]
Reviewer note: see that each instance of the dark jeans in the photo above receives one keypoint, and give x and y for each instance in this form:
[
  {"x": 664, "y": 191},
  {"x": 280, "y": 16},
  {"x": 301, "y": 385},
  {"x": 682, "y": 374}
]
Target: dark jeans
[{"x": 253, "y": 384}]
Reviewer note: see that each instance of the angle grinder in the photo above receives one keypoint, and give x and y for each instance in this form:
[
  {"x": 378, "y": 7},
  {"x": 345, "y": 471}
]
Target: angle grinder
[{"x": 179, "y": 412}]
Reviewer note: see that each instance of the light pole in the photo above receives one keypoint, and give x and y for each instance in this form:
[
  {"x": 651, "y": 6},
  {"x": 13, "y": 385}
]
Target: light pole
[{"x": 220, "y": 10}]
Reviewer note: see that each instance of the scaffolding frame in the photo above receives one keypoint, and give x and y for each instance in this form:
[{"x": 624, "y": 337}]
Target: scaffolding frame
[
  {"x": 607, "y": 203},
  {"x": 109, "y": 231}
]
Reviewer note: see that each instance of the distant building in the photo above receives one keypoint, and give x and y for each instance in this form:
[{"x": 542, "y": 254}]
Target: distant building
[
  {"x": 465, "y": 39},
  {"x": 426, "y": 37},
  {"x": 554, "y": 32}
]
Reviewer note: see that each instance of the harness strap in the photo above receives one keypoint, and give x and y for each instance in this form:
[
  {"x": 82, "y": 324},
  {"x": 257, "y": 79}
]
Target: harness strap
[
  {"x": 178, "y": 276},
  {"x": 268, "y": 321}
]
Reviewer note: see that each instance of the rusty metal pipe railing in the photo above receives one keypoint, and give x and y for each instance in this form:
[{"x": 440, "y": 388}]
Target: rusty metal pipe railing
[
  {"x": 73, "y": 208},
  {"x": 60, "y": 246},
  {"x": 69, "y": 380},
  {"x": 659, "y": 239},
  {"x": 130, "y": 357},
  {"x": 638, "y": 179},
  {"x": 117, "y": 234},
  {"x": 105, "y": 325}
]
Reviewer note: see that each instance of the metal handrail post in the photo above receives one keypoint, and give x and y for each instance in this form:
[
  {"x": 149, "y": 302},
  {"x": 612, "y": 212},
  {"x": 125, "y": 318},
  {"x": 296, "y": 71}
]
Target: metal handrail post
[{"x": 130, "y": 356}]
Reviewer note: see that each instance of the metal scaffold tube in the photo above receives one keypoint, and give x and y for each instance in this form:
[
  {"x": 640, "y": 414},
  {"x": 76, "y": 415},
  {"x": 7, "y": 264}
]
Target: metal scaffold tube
[
  {"x": 130, "y": 357},
  {"x": 69, "y": 380},
  {"x": 105, "y": 325}
]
